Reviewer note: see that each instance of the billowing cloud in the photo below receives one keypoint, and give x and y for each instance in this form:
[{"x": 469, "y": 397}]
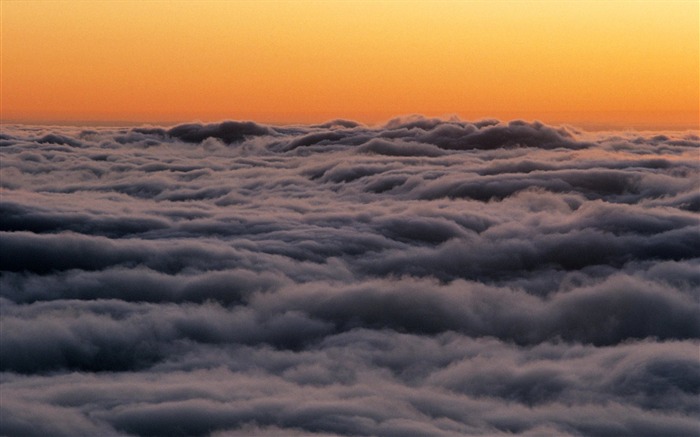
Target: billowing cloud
[{"x": 423, "y": 277}]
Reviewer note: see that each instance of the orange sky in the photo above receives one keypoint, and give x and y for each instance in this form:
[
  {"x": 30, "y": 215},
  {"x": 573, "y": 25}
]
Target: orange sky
[{"x": 627, "y": 63}]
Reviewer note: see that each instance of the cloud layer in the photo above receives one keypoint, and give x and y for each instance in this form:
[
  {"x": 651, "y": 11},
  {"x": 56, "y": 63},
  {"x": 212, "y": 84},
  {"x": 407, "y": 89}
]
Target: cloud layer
[{"x": 423, "y": 277}]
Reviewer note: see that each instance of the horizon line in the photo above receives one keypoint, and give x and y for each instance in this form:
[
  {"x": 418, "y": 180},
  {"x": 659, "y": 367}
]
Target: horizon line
[{"x": 584, "y": 125}]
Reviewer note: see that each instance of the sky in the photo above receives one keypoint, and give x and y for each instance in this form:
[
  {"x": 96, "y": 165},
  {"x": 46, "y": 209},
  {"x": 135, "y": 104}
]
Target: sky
[{"x": 612, "y": 63}]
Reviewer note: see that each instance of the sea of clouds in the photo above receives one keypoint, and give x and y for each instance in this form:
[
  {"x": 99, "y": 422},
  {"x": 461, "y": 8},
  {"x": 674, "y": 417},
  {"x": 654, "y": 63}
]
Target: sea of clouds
[{"x": 425, "y": 277}]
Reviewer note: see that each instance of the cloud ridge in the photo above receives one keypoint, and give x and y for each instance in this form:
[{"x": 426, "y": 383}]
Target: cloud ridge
[{"x": 422, "y": 277}]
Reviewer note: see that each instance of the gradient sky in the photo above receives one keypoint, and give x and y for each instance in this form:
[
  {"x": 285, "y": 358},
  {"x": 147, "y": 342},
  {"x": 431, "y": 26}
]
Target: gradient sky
[{"x": 621, "y": 62}]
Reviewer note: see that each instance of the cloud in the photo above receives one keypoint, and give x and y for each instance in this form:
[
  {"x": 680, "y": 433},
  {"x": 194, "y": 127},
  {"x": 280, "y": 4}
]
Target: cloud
[
  {"x": 421, "y": 277},
  {"x": 383, "y": 147},
  {"x": 228, "y": 131}
]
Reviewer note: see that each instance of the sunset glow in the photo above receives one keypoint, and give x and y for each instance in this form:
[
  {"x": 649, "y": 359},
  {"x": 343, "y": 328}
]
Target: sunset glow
[{"x": 622, "y": 63}]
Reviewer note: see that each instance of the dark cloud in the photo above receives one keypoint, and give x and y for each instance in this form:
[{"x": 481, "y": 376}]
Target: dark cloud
[
  {"x": 383, "y": 147},
  {"x": 487, "y": 135},
  {"x": 422, "y": 277},
  {"x": 338, "y": 123},
  {"x": 19, "y": 217},
  {"x": 325, "y": 137},
  {"x": 59, "y": 139},
  {"x": 228, "y": 131}
]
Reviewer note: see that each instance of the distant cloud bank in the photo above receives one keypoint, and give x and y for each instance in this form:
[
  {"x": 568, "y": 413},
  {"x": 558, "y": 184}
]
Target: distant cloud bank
[{"x": 424, "y": 277}]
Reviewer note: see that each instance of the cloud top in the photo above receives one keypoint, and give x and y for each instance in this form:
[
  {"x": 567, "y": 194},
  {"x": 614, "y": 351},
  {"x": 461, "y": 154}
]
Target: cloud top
[{"x": 421, "y": 277}]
